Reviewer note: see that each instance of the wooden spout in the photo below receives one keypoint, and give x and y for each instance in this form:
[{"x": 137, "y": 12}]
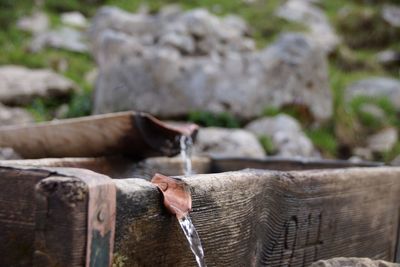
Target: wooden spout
[{"x": 177, "y": 197}]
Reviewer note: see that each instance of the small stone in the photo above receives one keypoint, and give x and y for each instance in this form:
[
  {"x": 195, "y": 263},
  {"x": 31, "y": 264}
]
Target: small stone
[
  {"x": 376, "y": 87},
  {"x": 383, "y": 141},
  {"x": 363, "y": 153},
  {"x": 20, "y": 85},
  {"x": 63, "y": 38},
  {"x": 221, "y": 142},
  {"x": 314, "y": 18},
  {"x": 286, "y": 135},
  {"x": 391, "y": 14},
  {"x": 74, "y": 19},
  {"x": 388, "y": 58},
  {"x": 7, "y": 153},
  {"x": 36, "y": 23},
  {"x": 12, "y": 116},
  {"x": 373, "y": 110}
]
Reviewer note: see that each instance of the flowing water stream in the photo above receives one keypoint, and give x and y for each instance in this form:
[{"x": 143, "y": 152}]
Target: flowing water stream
[{"x": 186, "y": 224}]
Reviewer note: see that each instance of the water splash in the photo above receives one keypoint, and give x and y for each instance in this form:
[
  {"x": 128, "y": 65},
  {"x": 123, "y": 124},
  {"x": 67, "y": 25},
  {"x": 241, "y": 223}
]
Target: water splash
[
  {"x": 194, "y": 240},
  {"x": 186, "y": 143}
]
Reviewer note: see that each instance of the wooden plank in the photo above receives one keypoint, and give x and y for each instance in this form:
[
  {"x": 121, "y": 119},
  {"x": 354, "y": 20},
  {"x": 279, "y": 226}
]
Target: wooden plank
[
  {"x": 69, "y": 221},
  {"x": 79, "y": 211},
  {"x": 264, "y": 218},
  {"x": 17, "y": 215},
  {"x": 283, "y": 164},
  {"x": 129, "y": 133}
]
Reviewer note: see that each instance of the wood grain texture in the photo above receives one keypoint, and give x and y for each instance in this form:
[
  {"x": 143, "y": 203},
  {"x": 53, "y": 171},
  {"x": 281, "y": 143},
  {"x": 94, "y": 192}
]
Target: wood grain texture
[
  {"x": 264, "y": 218},
  {"x": 129, "y": 133},
  {"x": 17, "y": 215}
]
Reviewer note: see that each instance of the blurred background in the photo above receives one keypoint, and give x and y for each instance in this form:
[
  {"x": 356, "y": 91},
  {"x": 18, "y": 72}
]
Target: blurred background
[{"x": 295, "y": 78}]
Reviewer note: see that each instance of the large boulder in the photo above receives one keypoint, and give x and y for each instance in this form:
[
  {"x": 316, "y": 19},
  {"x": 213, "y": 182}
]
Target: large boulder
[
  {"x": 350, "y": 262},
  {"x": 376, "y": 87},
  {"x": 20, "y": 85},
  {"x": 288, "y": 139},
  {"x": 174, "y": 62},
  {"x": 308, "y": 14},
  {"x": 221, "y": 142}
]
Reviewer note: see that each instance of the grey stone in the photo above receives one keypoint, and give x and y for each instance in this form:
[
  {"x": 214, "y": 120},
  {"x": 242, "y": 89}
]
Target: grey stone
[
  {"x": 388, "y": 58},
  {"x": 286, "y": 135},
  {"x": 376, "y": 87},
  {"x": 391, "y": 14},
  {"x": 221, "y": 142},
  {"x": 63, "y": 38},
  {"x": 198, "y": 61},
  {"x": 383, "y": 141},
  {"x": 11, "y": 116},
  {"x": 350, "y": 262},
  {"x": 20, "y": 85},
  {"x": 314, "y": 18},
  {"x": 74, "y": 19},
  {"x": 7, "y": 153},
  {"x": 36, "y": 23}
]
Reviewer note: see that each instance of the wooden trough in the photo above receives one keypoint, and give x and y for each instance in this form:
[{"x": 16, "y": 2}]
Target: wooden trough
[{"x": 59, "y": 212}]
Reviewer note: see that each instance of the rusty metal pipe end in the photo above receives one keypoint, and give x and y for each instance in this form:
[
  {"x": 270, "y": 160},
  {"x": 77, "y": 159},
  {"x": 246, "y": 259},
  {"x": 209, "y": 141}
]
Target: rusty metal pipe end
[{"x": 177, "y": 197}]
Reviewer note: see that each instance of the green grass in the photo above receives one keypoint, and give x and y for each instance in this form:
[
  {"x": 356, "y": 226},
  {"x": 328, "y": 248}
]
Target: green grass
[{"x": 209, "y": 119}]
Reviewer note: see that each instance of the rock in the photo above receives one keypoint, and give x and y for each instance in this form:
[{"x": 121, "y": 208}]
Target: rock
[
  {"x": 388, "y": 58},
  {"x": 314, "y": 18},
  {"x": 395, "y": 161},
  {"x": 383, "y": 141},
  {"x": 74, "y": 19},
  {"x": 63, "y": 38},
  {"x": 363, "y": 153},
  {"x": 36, "y": 23},
  {"x": 349, "y": 262},
  {"x": 196, "y": 61},
  {"x": 286, "y": 135},
  {"x": 11, "y": 116},
  {"x": 376, "y": 87},
  {"x": 391, "y": 14},
  {"x": 20, "y": 85},
  {"x": 373, "y": 110},
  {"x": 7, "y": 153},
  {"x": 221, "y": 142}
]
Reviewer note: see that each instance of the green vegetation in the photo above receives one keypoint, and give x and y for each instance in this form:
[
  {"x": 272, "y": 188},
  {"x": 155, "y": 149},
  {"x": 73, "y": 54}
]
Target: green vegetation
[
  {"x": 208, "y": 119},
  {"x": 357, "y": 21},
  {"x": 267, "y": 144}
]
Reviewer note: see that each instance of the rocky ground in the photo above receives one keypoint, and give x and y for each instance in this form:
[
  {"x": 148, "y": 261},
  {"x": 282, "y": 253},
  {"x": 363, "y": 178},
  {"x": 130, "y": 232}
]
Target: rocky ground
[{"x": 302, "y": 78}]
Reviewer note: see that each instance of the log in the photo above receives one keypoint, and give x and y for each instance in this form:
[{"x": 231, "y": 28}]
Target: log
[
  {"x": 264, "y": 218},
  {"x": 133, "y": 134},
  {"x": 244, "y": 218}
]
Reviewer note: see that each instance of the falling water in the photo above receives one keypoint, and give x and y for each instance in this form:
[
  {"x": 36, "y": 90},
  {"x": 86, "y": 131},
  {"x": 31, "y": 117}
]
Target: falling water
[
  {"x": 194, "y": 240},
  {"x": 186, "y": 153},
  {"x": 187, "y": 226}
]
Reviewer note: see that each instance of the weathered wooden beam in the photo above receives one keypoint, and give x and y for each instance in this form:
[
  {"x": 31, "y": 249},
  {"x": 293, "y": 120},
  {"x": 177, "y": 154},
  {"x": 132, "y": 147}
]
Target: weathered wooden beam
[
  {"x": 265, "y": 218},
  {"x": 129, "y": 133},
  {"x": 69, "y": 224},
  {"x": 283, "y": 164},
  {"x": 246, "y": 218}
]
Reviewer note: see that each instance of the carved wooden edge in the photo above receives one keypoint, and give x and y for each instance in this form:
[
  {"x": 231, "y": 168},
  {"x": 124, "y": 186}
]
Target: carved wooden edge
[
  {"x": 75, "y": 219},
  {"x": 265, "y": 218}
]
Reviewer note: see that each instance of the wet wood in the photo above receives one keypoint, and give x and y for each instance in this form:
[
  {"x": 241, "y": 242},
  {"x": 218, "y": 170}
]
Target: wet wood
[
  {"x": 134, "y": 134},
  {"x": 265, "y": 218}
]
